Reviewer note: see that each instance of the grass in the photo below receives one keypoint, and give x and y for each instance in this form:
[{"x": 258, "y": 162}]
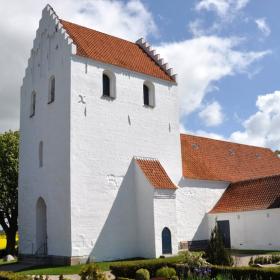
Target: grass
[
  {"x": 75, "y": 269},
  {"x": 253, "y": 252}
]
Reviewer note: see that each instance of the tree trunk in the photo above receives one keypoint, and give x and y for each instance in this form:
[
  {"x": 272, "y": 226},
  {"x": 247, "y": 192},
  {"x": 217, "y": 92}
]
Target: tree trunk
[{"x": 11, "y": 242}]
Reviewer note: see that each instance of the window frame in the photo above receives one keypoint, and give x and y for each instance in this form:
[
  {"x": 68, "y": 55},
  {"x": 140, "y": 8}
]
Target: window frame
[
  {"x": 151, "y": 95},
  {"x": 112, "y": 85}
]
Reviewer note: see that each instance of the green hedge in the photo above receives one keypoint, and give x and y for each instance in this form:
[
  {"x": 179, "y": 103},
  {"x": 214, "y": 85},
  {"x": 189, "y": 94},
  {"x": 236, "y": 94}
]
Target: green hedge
[
  {"x": 242, "y": 273},
  {"x": 13, "y": 276},
  {"x": 128, "y": 269}
]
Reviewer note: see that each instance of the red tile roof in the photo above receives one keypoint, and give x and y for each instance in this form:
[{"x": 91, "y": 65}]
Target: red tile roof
[
  {"x": 155, "y": 173},
  {"x": 209, "y": 159},
  {"x": 112, "y": 50},
  {"x": 256, "y": 194}
]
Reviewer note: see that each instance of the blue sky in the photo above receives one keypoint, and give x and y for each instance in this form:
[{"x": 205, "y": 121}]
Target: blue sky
[{"x": 226, "y": 53}]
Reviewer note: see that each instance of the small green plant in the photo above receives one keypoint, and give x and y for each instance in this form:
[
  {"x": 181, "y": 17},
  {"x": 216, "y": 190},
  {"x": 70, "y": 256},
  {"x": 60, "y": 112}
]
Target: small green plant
[
  {"x": 166, "y": 272},
  {"x": 175, "y": 277},
  {"x": 142, "y": 274},
  {"x": 216, "y": 252},
  {"x": 91, "y": 272}
]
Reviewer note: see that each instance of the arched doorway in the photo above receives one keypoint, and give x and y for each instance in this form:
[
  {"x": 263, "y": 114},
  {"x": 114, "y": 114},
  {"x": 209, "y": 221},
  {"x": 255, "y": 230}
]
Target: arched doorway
[
  {"x": 41, "y": 228},
  {"x": 166, "y": 241}
]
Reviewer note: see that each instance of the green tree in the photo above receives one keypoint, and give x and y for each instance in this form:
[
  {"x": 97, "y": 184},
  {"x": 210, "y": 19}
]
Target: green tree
[
  {"x": 216, "y": 252},
  {"x": 9, "y": 150}
]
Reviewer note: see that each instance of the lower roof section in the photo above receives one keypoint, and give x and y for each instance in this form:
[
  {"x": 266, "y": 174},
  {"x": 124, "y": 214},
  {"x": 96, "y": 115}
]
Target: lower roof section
[
  {"x": 209, "y": 159},
  {"x": 255, "y": 194},
  {"x": 155, "y": 173}
]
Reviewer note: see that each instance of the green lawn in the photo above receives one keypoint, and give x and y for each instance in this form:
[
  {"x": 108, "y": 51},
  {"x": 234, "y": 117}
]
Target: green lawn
[
  {"x": 75, "y": 269},
  {"x": 2, "y": 262}
]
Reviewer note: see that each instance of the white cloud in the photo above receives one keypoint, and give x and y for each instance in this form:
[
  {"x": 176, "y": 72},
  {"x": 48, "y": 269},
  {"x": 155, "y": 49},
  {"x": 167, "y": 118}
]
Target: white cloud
[
  {"x": 262, "y": 128},
  {"x": 202, "y": 61},
  {"x": 224, "y": 8},
  {"x": 212, "y": 114},
  {"x": 263, "y": 26},
  {"x": 19, "y": 21}
]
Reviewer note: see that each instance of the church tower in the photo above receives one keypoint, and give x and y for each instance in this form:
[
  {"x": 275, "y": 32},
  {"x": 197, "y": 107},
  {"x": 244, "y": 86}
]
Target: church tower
[{"x": 100, "y": 147}]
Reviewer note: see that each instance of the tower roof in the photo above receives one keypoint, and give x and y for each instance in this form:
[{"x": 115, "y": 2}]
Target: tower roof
[{"x": 137, "y": 57}]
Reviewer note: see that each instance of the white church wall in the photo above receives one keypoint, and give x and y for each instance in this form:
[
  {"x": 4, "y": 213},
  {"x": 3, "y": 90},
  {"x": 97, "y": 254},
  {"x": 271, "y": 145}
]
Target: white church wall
[
  {"x": 105, "y": 135},
  {"x": 51, "y": 124},
  {"x": 165, "y": 216},
  {"x": 145, "y": 215},
  {"x": 252, "y": 230},
  {"x": 194, "y": 199}
]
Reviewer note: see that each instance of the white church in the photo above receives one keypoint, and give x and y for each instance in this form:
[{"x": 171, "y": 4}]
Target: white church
[{"x": 105, "y": 173}]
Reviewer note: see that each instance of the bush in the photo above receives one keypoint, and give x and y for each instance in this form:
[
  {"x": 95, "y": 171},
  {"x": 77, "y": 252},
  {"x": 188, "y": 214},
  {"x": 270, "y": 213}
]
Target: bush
[
  {"x": 193, "y": 260},
  {"x": 128, "y": 269},
  {"x": 91, "y": 272},
  {"x": 13, "y": 276},
  {"x": 175, "y": 277},
  {"x": 265, "y": 260},
  {"x": 142, "y": 274},
  {"x": 242, "y": 273},
  {"x": 216, "y": 252},
  {"x": 166, "y": 272}
]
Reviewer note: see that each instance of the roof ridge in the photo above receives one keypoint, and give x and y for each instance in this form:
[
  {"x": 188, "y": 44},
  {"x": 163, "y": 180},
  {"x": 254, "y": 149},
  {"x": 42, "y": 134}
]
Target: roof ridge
[
  {"x": 225, "y": 141},
  {"x": 145, "y": 158},
  {"x": 145, "y": 46},
  {"x": 89, "y": 28}
]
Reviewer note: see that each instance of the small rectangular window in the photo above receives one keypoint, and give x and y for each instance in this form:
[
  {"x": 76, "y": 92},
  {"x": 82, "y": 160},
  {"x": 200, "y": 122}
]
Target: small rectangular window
[
  {"x": 33, "y": 104},
  {"x": 51, "y": 95},
  {"x": 41, "y": 147}
]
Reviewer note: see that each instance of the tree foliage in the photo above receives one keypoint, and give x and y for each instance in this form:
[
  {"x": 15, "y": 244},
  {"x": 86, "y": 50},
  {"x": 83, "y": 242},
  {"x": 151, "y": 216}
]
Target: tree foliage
[
  {"x": 9, "y": 154},
  {"x": 216, "y": 252}
]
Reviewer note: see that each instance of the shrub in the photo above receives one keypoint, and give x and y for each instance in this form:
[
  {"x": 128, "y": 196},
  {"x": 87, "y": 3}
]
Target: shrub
[
  {"x": 265, "y": 260},
  {"x": 91, "y": 272},
  {"x": 129, "y": 268},
  {"x": 13, "y": 276},
  {"x": 242, "y": 273},
  {"x": 216, "y": 252},
  {"x": 175, "y": 277},
  {"x": 166, "y": 272},
  {"x": 193, "y": 260},
  {"x": 142, "y": 274}
]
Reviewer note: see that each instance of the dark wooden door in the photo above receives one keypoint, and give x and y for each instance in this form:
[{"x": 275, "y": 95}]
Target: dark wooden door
[
  {"x": 224, "y": 229},
  {"x": 166, "y": 241}
]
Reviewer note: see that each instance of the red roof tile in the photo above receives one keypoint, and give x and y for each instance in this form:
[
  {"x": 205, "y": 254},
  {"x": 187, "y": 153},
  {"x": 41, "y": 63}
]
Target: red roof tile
[
  {"x": 112, "y": 50},
  {"x": 155, "y": 173},
  {"x": 256, "y": 194},
  {"x": 209, "y": 159}
]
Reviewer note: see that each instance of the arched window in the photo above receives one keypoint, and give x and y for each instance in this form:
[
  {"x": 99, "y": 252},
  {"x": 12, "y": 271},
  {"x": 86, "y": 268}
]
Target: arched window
[
  {"x": 41, "y": 228},
  {"x": 148, "y": 94},
  {"x": 166, "y": 241},
  {"x": 51, "y": 95},
  {"x": 106, "y": 85},
  {"x": 109, "y": 84},
  {"x": 41, "y": 150},
  {"x": 33, "y": 104}
]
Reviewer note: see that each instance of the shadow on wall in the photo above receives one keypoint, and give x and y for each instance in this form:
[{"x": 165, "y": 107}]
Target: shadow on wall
[
  {"x": 201, "y": 236},
  {"x": 118, "y": 237}
]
